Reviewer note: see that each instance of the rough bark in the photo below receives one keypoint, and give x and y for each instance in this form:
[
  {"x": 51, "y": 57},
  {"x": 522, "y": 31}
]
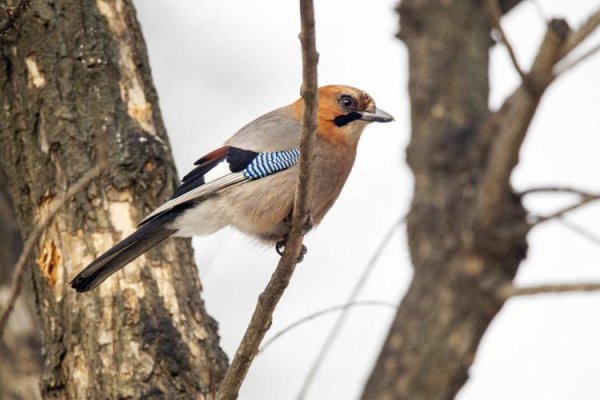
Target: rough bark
[
  {"x": 460, "y": 259},
  {"x": 76, "y": 78},
  {"x": 20, "y": 349}
]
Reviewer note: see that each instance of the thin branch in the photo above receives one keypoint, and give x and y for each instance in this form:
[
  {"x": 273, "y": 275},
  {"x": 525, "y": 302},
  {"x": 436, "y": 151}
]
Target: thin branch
[
  {"x": 512, "y": 291},
  {"x": 578, "y": 36},
  {"x": 34, "y": 237},
  {"x": 268, "y": 299},
  {"x": 310, "y": 317},
  {"x": 505, "y": 130},
  {"x": 495, "y": 13},
  {"x": 339, "y": 323},
  {"x": 568, "y": 65},
  {"x": 555, "y": 189},
  {"x": 585, "y": 200},
  {"x": 579, "y": 230},
  {"x": 12, "y": 15}
]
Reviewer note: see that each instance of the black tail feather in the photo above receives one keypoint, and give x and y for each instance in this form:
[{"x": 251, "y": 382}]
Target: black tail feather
[{"x": 146, "y": 237}]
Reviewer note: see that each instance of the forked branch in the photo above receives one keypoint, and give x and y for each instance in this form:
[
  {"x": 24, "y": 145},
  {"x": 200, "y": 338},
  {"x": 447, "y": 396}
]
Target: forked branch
[{"x": 504, "y": 131}]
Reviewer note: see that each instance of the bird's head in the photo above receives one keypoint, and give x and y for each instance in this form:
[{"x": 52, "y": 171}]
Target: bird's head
[{"x": 344, "y": 112}]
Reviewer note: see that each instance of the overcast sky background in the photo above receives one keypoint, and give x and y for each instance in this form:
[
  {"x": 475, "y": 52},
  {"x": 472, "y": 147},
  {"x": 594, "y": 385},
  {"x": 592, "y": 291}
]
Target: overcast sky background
[{"x": 217, "y": 65}]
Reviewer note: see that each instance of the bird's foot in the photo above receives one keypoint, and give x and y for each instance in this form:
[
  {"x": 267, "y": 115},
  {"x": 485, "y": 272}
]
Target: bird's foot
[
  {"x": 280, "y": 248},
  {"x": 308, "y": 224}
]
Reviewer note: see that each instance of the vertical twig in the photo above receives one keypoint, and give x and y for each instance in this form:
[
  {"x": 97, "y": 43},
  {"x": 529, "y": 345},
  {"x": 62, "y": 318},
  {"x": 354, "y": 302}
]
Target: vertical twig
[
  {"x": 495, "y": 14},
  {"x": 268, "y": 299}
]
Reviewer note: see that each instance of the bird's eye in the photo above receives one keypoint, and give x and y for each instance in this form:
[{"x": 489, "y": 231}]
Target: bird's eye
[{"x": 347, "y": 102}]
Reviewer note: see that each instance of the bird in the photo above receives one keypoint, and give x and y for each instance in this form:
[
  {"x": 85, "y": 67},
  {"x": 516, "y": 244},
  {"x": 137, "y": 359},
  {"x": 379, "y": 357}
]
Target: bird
[{"x": 249, "y": 183}]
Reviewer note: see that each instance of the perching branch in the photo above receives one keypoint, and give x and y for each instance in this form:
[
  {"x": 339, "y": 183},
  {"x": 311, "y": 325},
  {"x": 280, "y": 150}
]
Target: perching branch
[
  {"x": 310, "y": 317},
  {"x": 12, "y": 15},
  {"x": 339, "y": 323},
  {"x": 34, "y": 237},
  {"x": 268, "y": 299},
  {"x": 495, "y": 13},
  {"x": 511, "y": 291}
]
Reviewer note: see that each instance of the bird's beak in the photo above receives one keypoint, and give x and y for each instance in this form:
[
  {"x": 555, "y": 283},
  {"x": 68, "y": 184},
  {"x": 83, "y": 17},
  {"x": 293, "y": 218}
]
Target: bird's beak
[{"x": 378, "y": 116}]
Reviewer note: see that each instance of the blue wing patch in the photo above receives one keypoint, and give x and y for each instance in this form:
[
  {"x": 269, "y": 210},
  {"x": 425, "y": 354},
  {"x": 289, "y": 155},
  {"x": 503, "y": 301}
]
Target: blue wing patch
[
  {"x": 265, "y": 164},
  {"x": 254, "y": 165}
]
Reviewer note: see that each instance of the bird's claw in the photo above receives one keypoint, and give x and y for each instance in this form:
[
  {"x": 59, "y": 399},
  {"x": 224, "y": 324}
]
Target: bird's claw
[
  {"x": 280, "y": 248},
  {"x": 308, "y": 224}
]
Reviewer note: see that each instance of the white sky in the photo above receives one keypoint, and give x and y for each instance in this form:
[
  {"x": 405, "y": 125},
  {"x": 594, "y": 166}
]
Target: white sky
[{"x": 217, "y": 65}]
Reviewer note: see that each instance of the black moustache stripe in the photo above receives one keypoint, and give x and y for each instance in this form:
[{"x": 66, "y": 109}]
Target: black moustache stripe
[{"x": 345, "y": 119}]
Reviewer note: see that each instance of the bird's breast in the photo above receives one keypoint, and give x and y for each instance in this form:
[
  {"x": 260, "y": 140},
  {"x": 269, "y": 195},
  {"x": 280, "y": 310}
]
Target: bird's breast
[{"x": 260, "y": 207}]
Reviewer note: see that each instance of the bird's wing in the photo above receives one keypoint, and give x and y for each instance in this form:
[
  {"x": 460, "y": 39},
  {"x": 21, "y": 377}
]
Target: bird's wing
[{"x": 221, "y": 169}]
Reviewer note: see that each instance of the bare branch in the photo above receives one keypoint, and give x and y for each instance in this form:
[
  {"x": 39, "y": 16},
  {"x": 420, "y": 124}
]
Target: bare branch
[
  {"x": 495, "y": 13},
  {"x": 580, "y": 231},
  {"x": 585, "y": 200},
  {"x": 507, "y": 128},
  {"x": 568, "y": 65},
  {"x": 34, "y": 237},
  {"x": 268, "y": 299},
  {"x": 12, "y": 15},
  {"x": 555, "y": 189},
  {"x": 512, "y": 291},
  {"x": 310, "y": 317},
  {"x": 339, "y": 323},
  {"x": 577, "y": 37}
]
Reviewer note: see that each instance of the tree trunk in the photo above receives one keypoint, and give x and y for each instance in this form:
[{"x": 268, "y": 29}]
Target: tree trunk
[
  {"x": 460, "y": 259},
  {"x": 75, "y": 79},
  {"x": 20, "y": 348}
]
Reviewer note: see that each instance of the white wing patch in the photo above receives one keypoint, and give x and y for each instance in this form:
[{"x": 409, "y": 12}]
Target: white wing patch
[{"x": 218, "y": 171}]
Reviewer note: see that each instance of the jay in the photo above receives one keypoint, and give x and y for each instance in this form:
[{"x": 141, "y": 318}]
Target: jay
[{"x": 250, "y": 182}]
